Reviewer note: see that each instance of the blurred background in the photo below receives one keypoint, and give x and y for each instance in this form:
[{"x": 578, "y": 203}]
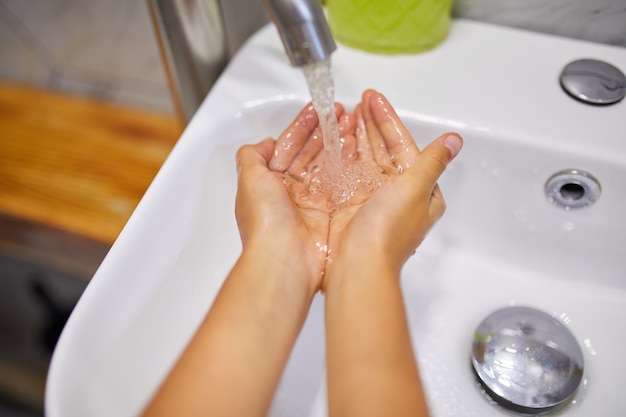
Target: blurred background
[{"x": 87, "y": 119}]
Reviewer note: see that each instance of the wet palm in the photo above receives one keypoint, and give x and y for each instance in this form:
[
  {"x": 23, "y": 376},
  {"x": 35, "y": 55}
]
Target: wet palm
[{"x": 376, "y": 148}]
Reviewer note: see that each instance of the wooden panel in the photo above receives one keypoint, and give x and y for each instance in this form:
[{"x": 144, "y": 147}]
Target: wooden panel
[{"x": 76, "y": 164}]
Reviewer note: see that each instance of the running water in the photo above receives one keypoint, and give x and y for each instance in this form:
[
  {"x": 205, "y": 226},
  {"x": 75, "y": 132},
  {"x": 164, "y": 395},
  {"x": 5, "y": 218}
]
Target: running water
[
  {"x": 319, "y": 77},
  {"x": 341, "y": 184}
]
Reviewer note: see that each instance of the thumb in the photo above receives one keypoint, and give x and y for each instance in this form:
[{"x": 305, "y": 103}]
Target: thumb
[
  {"x": 434, "y": 159},
  {"x": 253, "y": 155}
]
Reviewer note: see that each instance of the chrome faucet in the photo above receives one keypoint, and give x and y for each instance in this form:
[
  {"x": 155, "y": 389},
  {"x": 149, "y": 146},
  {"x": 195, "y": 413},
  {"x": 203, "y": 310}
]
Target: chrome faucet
[{"x": 303, "y": 30}]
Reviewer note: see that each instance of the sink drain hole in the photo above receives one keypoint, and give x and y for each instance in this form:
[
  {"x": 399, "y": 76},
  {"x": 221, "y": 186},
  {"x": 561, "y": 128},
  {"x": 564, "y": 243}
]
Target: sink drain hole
[{"x": 572, "y": 189}]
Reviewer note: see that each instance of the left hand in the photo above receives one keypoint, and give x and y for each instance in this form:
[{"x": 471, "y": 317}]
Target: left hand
[{"x": 273, "y": 218}]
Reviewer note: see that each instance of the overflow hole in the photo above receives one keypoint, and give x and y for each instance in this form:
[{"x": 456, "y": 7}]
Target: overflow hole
[{"x": 572, "y": 191}]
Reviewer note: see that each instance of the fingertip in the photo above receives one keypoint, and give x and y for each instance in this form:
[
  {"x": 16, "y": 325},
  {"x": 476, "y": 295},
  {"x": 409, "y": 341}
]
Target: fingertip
[
  {"x": 366, "y": 98},
  {"x": 348, "y": 147},
  {"x": 358, "y": 112},
  {"x": 381, "y": 109},
  {"x": 347, "y": 123},
  {"x": 368, "y": 92},
  {"x": 242, "y": 152},
  {"x": 454, "y": 142},
  {"x": 434, "y": 159},
  {"x": 266, "y": 148},
  {"x": 339, "y": 109},
  {"x": 307, "y": 116},
  {"x": 248, "y": 155},
  {"x": 259, "y": 153},
  {"x": 276, "y": 166}
]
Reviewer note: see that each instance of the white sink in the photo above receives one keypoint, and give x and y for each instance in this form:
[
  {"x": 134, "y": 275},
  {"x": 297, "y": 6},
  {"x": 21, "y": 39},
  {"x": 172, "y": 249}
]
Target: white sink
[{"x": 500, "y": 243}]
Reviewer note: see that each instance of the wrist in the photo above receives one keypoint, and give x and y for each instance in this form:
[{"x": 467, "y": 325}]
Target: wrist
[
  {"x": 284, "y": 263},
  {"x": 360, "y": 265}
]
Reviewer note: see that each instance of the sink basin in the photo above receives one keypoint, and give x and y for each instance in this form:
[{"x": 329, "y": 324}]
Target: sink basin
[{"x": 501, "y": 242}]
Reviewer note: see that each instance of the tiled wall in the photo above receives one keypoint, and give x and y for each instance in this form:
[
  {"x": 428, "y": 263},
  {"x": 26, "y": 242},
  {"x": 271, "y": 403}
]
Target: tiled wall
[
  {"x": 107, "y": 48},
  {"x": 102, "y": 48},
  {"x": 594, "y": 20}
]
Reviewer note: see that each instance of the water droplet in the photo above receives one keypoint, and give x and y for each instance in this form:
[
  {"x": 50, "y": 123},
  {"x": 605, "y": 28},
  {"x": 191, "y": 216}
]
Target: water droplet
[
  {"x": 322, "y": 247},
  {"x": 521, "y": 213},
  {"x": 569, "y": 226}
]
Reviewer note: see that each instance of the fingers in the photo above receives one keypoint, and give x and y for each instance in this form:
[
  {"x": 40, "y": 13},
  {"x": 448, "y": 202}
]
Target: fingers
[
  {"x": 291, "y": 142},
  {"x": 293, "y": 138},
  {"x": 309, "y": 151},
  {"x": 347, "y": 129},
  {"x": 377, "y": 147},
  {"x": 364, "y": 150},
  {"x": 397, "y": 140}
]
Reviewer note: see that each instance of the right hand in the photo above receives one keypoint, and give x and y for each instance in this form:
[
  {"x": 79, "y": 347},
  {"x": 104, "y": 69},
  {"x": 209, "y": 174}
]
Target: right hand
[{"x": 395, "y": 219}]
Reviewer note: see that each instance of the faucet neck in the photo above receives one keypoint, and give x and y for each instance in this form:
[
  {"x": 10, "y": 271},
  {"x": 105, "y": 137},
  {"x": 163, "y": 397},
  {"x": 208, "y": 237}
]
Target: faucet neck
[{"x": 303, "y": 30}]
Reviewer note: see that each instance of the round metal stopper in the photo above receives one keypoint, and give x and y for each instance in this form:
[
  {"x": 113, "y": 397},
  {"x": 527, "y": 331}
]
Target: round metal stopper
[
  {"x": 526, "y": 360},
  {"x": 593, "y": 81}
]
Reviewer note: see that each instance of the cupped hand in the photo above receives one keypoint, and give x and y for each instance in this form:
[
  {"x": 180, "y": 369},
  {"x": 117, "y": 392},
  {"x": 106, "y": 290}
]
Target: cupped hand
[
  {"x": 387, "y": 199},
  {"x": 392, "y": 222},
  {"x": 274, "y": 210},
  {"x": 284, "y": 192}
]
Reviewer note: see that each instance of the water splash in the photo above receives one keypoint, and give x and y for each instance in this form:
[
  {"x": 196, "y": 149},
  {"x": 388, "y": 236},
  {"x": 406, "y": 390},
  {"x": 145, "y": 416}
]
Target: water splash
[{"x": 342, "y": 185}]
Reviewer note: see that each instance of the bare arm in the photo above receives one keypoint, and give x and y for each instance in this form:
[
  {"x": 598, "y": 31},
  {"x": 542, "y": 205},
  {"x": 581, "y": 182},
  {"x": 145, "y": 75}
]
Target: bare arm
[
  {"x": 233, "y": 364},
  {"x": 371, "y": 368}
]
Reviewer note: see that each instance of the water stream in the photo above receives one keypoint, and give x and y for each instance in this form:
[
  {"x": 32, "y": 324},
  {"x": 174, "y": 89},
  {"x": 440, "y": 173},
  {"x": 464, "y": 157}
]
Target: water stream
[
  {"x": 343, "y": 182},
  {"x": 319, "y": 78}
]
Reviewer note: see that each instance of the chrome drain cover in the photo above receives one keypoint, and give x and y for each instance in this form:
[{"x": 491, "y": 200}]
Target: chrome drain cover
[
  {"x": 593, "y": 81},
  {"x": 526, "y": 360}
]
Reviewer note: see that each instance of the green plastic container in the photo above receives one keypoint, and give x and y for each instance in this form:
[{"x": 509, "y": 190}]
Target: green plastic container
[{"x": 389, "y": 26}]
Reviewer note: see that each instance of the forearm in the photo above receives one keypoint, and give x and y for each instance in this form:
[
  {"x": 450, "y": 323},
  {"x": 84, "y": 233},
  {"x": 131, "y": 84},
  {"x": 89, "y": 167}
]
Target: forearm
[
  {"x": 234, "y": 362},
  {"x": 371, "y": 366}
]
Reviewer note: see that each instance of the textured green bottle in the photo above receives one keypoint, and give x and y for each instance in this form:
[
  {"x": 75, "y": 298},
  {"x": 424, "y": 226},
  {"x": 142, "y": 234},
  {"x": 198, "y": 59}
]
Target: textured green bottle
[{"x": 389, "y": 26}]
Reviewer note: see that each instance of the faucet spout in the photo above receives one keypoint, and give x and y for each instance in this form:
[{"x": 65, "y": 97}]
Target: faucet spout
[{"x": 303, "y": 30}]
